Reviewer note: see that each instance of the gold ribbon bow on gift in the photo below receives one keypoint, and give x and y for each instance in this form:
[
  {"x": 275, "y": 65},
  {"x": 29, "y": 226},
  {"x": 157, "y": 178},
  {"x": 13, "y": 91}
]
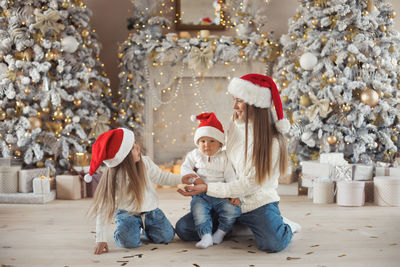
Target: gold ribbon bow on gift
[
  {"x": 100, "y": 126},
  {"x": 48, "y": 21},
  {"x": 201, "y": 60},
  {"x": 319, "y": 106}
]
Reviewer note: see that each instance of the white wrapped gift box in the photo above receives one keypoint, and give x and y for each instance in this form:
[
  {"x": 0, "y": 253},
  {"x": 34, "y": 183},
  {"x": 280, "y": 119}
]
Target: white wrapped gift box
[
  {"x": 386, "y": 171},
  {"x": 332, "y": 158},
  {"x": 9, "y": 179},
  {"x": 350, "y": 193},
  {"x": 313, "y": 169},
  {"x": 387, "y": 190},
  {"x": 25, "y": 184},
  {"x": 41, "y": 185},
  {"x": 362, "y": 172}
]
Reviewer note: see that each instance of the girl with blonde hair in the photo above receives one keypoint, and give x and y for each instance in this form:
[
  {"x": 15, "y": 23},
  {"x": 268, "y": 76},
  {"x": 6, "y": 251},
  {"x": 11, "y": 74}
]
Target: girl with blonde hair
[
  {"x": 126, "y": 192},
  {"x": 257, "y": 149}
]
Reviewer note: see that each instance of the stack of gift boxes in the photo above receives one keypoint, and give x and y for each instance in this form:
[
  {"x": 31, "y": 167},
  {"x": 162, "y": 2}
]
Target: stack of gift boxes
[
  {"x": 19, "y": 185},
  {"x": 352, "y": 184},
  {"x": 25, "y": 186}
]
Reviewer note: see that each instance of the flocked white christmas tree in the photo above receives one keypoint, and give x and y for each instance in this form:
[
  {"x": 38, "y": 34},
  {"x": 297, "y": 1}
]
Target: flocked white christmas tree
[
  {"x": 53, "y": 90},
  {"x": 339, "y": 80}
]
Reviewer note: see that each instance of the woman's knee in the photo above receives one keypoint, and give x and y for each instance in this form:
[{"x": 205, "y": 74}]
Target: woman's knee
[{"x": 273, "y": 243}]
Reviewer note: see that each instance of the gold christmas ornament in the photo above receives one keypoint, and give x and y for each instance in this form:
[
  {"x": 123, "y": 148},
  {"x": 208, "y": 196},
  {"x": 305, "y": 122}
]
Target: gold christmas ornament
[
  {"x": 392, "y": 49},
  {"x": 50, "y": 55},
  {"x": 27, "y": 91},
  {"x": 285, "y": 99},
  {"x": 285, "y": 83},
  {"x": 369, "y": 97},
  {"x": 68, "y": 120},
  {"x": 241, "y": 53},
  {"x": 39, "y": 164},
  {"x": 304, "y": 100},
  {"x": 297, "y": 16},
  {"x": 58, "y": 114},
  {"x": 351, "y": 59},
  {"x": 393, "y": 14},
  {"x": 35, "y": 122},
  {"x": 120, "y": 55},
  {"x": 394, "y": 138},
  {"x": 17, "y": 153},
  {"x": 65, "y": 4},
  {"x": 284, "y": 72},
  {"x": 324, "y": 39},
  {"x": 3, "y": 115},
  {"x": 332, "y": 80},
  {"x": 85, "y": 33},
  {"x": 314, "y": 21},
  {"x": 77, "y": 102},
  {"x": 365, "y": 12},
  {"x": 331, "y": 139},
  {"x": 46, "y": 110},
  {"x": 130, "y": 76},
  {"x": 293, "y": 36},
  {"x": 347, "y": 108},
  {"x": 383, "y": 28}
]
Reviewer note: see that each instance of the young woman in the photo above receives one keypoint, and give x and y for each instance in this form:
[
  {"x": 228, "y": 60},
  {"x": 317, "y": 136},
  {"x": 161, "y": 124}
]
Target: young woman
[
  {"x": 257, "y": 149},
  {"x": 126, "y": 187}
]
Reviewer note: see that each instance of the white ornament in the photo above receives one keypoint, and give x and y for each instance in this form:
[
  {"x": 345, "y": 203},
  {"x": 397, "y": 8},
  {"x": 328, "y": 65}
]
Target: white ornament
[
  {"x": 75, "y": 119},
  {"x": 69, "y": 44},
  {"x": 308, "y": 61}
]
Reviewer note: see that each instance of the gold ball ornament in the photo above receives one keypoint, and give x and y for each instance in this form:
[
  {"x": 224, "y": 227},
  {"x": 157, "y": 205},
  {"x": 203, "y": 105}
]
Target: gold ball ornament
[
  {"x": 3, "y": 115},
  {"x": 285, "y": 98},
  {"x": 39, "y": 164},
  {"x": 324, "y": 39},
  {"x": 77, "y": 102},
  {"x": 17, "y": 153},
  {"x": 392, "y": 49},
  {"x": 365, "y": 12},
  {"x": 35, "y": 122},
  {"x": 369, "y": 97},
  {"x": 85, "y": 33},
  {"x": 285, "y": 83},
  {"x": 393, "y": 14},
  {"x": 314, "y": 21},
  {"x": 68, "y": 120},
  {"x": 394, "y": 138},
  {"x": 293, "y": 37},
  {"x": 351, "y": 59},
  {"x": 383, "y": 28},
  {"x": 27, "y": 91},
  {"x": 347, "y": 108},
  {"x": 130, "y": 76},
  {"x": 332, "y": 80},
  {"x": 65, "y": 4},
  {"x": 304, "y": 100},
  {"x": 331, "y": 139},
  {"x": 58, "y": 114},
  {"x": 241, "y": 53},
  {"x": 120, "y": 55}
]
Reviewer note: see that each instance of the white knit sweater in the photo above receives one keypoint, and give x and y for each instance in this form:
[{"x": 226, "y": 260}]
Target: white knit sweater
[
  {"x": 154, "y": 175},
  {"x": 252, "y": 195},
  {"x": 215, "y": 168}
]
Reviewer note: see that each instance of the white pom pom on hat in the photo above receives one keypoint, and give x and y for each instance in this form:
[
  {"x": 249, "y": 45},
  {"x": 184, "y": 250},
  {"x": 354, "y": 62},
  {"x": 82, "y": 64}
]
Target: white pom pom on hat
[
  {"x": 111, "y": 147},
  {"x": 260, "y": 91}
]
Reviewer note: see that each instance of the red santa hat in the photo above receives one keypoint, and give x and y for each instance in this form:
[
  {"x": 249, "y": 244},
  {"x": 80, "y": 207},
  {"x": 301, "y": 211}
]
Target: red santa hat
[
  {"x": 111, "y": 147},
  {"x": 209, "y": 126},
  {"x": 260, "y": 91}
]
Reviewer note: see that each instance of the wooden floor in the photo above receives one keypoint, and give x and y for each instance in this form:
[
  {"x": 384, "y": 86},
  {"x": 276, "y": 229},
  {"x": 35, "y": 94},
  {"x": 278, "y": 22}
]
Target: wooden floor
[{"x": 59, "y": 234}]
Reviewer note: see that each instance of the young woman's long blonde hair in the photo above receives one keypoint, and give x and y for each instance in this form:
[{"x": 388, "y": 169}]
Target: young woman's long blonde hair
[
  {"x": 264, "y": 131},
  {"x": 107, "y": 198}
]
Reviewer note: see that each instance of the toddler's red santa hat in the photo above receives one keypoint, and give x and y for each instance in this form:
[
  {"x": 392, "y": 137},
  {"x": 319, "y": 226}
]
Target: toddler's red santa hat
[
  {"x": 111, "y": 147},
  {"x": 260, "y": 91},
  {"x": 209, "y": 126}
]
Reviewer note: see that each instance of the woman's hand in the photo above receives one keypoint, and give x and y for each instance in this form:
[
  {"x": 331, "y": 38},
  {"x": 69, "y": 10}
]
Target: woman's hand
[
  {"x": 234, "y": 201},
  {"x": 102, "y": 247},
  {"x": 193, "y": 190},
  {"x": 189, "y": 178}
]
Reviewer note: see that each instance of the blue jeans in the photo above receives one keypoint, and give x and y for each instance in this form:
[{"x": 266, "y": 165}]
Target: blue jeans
[
  {"x": 201, "y": 206},
  {"x": 156, "y": 227},
  {"x": 266, "y": 223}
]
